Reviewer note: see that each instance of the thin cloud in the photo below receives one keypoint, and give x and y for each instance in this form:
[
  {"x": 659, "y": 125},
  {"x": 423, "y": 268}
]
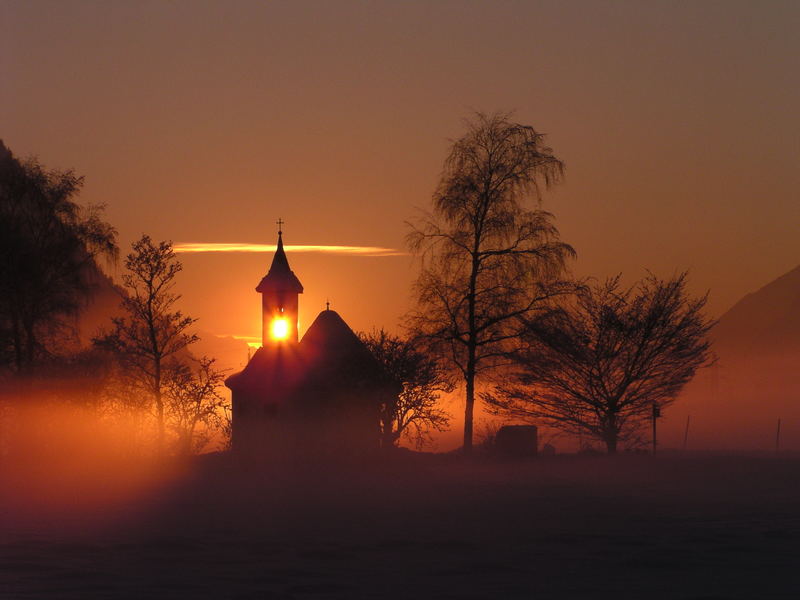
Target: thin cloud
[
  {"x": 252, "y": 341},
  {"x": 187, "y": 247}
]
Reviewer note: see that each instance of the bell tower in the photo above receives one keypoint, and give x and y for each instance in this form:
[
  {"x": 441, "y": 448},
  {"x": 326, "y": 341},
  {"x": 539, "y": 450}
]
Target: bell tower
[{"x": 279, "y": 291}]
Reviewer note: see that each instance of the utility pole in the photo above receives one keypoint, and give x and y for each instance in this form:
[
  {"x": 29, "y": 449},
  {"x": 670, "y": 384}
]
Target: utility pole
[
  {"x": 656, "y": 414},
  {"x": 778, "y": 437}
]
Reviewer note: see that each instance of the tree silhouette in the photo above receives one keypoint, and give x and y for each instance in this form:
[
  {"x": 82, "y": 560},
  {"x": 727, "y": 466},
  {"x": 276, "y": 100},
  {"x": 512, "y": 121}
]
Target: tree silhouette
[
  {"x": 487, "y": 261},
  {"x": 48, "y": 247},
  {"x": 152, "y": 330},
  {"x": 599, "y": 366},
  {"x": 194, "y": 406},
  {"x": 414, "y": 413}
]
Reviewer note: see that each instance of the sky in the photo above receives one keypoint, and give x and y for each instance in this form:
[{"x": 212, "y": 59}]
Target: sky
[{"x": 204, "y": 122}]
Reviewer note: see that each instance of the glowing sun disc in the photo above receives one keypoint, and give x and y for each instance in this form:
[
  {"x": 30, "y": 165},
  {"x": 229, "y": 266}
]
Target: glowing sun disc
[{"x": 279, "y": 329}]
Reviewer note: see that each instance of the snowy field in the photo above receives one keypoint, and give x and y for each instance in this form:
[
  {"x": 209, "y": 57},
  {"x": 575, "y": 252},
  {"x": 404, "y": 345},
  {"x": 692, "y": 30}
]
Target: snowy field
[{"x": 691, "y": 527}]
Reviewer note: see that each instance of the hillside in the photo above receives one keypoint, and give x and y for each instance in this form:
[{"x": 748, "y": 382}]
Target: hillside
[
  {"x": 764, "y": 322},
  {"x": 103, "y": 304},
  {"x": 96, "y": 314},
  {"x": 736, "y": 404}
]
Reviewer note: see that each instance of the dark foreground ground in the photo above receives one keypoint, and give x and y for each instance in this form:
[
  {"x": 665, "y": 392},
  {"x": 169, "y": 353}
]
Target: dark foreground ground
[{"x": 564, "y": 527}]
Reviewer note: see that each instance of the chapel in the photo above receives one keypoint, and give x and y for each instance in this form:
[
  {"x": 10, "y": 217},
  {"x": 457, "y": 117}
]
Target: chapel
[{"x": 315, "y": 396}]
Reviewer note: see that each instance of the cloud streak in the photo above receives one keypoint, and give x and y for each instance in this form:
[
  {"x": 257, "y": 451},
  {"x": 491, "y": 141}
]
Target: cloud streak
[{"x": 194, "y": 247}]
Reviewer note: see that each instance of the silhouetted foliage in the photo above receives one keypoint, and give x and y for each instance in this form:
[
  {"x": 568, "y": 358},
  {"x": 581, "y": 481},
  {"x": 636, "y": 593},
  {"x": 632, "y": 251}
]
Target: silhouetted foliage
[
  {"x": 597, "y": 366},
  {"x": 48, "y": 247},
  {"x": 152, "y": 331},
  {"x": 413, "y": 414},
  {"x": 487, "y": 261},
  {"x": 194, "y": 406}
]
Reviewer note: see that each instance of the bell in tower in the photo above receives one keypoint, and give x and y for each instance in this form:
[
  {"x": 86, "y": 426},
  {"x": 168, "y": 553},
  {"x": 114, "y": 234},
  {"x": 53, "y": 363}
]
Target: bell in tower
[{"x": 279, "y": 291}]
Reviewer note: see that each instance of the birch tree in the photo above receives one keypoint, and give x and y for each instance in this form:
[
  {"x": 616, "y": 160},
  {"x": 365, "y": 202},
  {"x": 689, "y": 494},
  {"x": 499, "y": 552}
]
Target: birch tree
[{"x": 490, "y": 256}]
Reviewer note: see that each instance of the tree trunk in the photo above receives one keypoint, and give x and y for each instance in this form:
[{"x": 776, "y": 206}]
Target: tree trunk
[
  {"x": 187, "y": 443},
  {"x": 159, "y": 408},
  {"x": 470, "y": 401},
  {"x": 611, "y": 429},
  {"x": 388, "y": 418},
  {"x": 471, "y": 349},
  {"x": 389, "y": 436}
]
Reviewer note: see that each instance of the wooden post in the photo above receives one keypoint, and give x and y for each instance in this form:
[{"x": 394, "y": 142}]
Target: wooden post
[
  {"x": 656, "y": 414},
  {"x": 686, "y": 433}
]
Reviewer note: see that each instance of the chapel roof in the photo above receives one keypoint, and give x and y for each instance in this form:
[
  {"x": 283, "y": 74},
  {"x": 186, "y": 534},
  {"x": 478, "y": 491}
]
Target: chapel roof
[{"x": 329, "y": 355}]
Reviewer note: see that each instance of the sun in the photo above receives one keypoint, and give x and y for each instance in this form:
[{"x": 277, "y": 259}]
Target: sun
[{"x": 279, "y": 328}]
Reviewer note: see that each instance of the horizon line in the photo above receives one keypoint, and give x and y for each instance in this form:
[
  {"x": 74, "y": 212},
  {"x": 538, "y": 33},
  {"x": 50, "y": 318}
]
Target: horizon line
[{"x": 368, "y": 251}]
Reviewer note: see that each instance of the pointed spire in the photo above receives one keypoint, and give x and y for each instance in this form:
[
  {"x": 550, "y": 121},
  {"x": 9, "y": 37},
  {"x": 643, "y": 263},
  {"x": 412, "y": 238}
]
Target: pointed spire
[
  {"x": 280, "y": 264},
  {"x": 280, "y": 275}
]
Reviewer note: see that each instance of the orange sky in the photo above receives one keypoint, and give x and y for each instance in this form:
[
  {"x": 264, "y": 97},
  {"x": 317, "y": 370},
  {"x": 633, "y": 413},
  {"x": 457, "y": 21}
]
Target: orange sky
[{"x": 203, "y": 122}]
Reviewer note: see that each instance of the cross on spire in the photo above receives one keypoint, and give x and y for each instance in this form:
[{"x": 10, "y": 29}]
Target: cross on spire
[{"x": 279, "y": 223}]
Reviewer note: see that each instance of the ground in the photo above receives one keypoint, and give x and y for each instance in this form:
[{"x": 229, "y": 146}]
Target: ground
[{"x": 424, "y": 527}]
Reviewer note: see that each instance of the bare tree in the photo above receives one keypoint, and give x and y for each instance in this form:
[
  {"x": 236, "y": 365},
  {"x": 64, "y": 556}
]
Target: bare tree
[
  {"x": 414, "y": 413},
  {"x": 600, "y": 365},
  {"x": 487, "y": 261},
  {"x": 152, "y": 330},
  {"x": 48, "y": 247},
  {"x": 194, "y": 404}
]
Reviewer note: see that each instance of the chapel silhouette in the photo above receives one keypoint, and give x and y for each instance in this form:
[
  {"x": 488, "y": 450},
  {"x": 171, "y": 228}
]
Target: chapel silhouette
[{"x": 319, "y": 396}]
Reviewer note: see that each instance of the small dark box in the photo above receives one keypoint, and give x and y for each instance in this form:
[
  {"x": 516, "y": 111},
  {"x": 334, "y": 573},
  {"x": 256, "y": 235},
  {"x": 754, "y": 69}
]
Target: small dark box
[{"x": 517, "y": 440}]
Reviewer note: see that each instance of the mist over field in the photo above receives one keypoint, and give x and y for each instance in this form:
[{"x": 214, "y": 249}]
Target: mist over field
[{"x": 696, "y": 526}]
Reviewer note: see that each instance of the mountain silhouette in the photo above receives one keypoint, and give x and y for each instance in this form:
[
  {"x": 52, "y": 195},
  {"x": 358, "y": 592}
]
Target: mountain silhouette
[
  {"x": 764, "y": 322},
  {"x": 736, "y": 403},
  {"x": 105, "y": 302}
]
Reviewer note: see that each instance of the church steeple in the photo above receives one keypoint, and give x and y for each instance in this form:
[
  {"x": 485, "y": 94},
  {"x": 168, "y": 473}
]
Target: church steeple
[{"x": 279, "y": 291}]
